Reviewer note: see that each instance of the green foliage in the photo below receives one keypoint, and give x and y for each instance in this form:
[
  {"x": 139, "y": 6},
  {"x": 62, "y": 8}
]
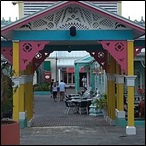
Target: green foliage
[
  {"x": 42, "y": 87},
  {"x": 101, "y": 103},
  {"x": 7, "y": 90},
  {"x": 6, "y": 95}
]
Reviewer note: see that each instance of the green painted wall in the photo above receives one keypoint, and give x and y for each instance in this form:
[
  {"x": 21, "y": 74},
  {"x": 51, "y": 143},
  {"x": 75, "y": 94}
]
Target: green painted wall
[{"x": 47, "y": 65}]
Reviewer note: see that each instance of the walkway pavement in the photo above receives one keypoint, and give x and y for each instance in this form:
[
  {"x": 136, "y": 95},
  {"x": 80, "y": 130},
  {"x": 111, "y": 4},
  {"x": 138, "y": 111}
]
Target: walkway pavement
[{"x": 52, "y": 127}]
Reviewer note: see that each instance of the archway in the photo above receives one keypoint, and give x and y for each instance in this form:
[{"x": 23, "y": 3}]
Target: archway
[{"x": 104, "y": 36}]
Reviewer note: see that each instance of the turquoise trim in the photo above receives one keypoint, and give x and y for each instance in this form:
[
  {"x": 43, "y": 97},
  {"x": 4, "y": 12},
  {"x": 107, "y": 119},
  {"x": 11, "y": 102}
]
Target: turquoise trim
[
  {"x": 23, "y": 123},
  {"x": 62, "y": 35},
  {"x": 139, "y": 43},
  {"x": 89, "y": 59},
  {"x": 76, "y": 78},
  {"x": 92, "y": 77},
  {"x": 41, "y": 92},
  {"x": 123, "y": 122},
  {"x": 136, "y": 43},
  {"x": 6, "y": 44},
  {"x": 139, "y": 122}
]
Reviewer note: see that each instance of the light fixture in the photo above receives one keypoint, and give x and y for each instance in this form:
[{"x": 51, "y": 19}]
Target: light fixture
[{"x": 73, "y": 31}]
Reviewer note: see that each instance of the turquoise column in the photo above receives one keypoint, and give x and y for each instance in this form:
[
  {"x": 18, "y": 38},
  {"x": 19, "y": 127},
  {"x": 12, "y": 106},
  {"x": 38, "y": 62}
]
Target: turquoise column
[{"x": 76, "y": 78}]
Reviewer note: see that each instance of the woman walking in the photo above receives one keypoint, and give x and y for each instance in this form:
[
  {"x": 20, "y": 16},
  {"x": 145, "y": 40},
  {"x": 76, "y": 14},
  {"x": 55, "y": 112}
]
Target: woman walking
[{"x": 54, "y": 91}]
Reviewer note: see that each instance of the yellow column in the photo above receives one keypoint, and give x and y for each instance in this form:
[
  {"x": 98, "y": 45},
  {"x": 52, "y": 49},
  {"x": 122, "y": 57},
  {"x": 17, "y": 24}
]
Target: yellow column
[
  {"x": 29, "y": 93},
  {"x": 120, "y": 113},
  {"x": 108, "y": 90},
  {"x": 130, "y": 129},
  {"x": 108, "y": 94},
  {"x": 130, "y": 52},
  {"x": 117, "y": 96},
  {"x": 120, "y": 95},
  {"x": 30, "y": 84},
  {"x": 22, "y": 96},
  {"x": 16, "y": 103},
  {"x": 16, "y": 74},
  {"x": 18, "y": 96},
  {"x": 30, "y": 106},
  {"x": 113, "y": 69},
  {"x": 117, "y": 87},
  {"x": 16, "y": 81}
]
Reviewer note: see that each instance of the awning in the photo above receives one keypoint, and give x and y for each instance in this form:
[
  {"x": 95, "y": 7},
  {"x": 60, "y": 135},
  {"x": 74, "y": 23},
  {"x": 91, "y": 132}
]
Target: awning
[{"x": 71, "y": 70}]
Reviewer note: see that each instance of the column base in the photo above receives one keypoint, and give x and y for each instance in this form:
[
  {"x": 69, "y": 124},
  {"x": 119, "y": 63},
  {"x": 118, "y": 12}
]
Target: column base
[
  {"x": 112, "y": 122},
  {"x": 23, "y": 119},
  {"x": 29, "y": 123},
  {"x": 120, "y": 114},
  {"x": 130, "y": 130}
]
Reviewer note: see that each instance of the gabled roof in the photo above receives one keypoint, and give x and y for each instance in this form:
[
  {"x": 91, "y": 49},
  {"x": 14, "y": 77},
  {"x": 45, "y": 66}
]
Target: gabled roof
[{"x": 7, "y": 30}]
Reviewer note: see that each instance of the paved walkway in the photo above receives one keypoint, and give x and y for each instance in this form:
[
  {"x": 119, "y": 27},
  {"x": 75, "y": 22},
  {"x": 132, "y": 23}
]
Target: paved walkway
[
  {"x": 52, "y": 127},
  {"x": 50, "y": 113}
]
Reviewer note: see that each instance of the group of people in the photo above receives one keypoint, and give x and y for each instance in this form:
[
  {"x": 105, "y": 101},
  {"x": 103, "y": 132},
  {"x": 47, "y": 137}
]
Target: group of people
[{"x": 58, "y": 90}]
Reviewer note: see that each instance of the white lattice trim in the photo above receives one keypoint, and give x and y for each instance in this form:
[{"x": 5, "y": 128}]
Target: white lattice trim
[{"x": 81, "y": 18}]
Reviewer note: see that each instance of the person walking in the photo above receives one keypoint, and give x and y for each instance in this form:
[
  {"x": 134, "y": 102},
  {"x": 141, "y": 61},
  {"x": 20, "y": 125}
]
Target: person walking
[
  {"x": 58, "y": 89},
  {"x": 51, "y": 90},
  {"x": 54, "y": 91},
  {"x": 62, "y": 87},
  {"x": 84, "y": 81}
]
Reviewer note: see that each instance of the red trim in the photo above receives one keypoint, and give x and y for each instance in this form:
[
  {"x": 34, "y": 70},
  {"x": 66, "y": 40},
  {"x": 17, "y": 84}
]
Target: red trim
[
  {"x": 38, "y": 1},
  {"x": 65, "y": 5},
  {"x": 110, "y": 16},
  {"x": 34, "y": 18},
  {"x": 58, "y": 1},
  {"x": 82, "y": 70},
  {"x": 70, "y": 70}
]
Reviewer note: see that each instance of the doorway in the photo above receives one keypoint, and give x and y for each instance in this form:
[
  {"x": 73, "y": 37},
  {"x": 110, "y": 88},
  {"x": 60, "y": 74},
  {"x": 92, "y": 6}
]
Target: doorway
[{"x": 81, "y": 76}]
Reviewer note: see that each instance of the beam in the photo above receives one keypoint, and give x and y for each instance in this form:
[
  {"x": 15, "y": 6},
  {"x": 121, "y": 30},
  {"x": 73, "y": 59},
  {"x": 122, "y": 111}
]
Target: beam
[{"x": 81, "y": 35}]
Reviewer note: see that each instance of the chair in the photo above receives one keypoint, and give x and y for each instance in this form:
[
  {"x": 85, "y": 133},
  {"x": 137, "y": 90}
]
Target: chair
[
  {"x": 69, "y": 106},
  {"x": 83, "y": 106}
]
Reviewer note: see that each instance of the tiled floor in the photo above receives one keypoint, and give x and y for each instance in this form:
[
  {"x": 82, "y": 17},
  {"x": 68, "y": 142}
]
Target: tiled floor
[
  {"x": 50, "y": 113},
  {"x": 52, "y": 127}
]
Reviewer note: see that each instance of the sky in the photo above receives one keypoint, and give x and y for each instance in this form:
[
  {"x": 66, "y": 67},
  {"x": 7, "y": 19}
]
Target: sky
[{"x": 134, "y": 9}]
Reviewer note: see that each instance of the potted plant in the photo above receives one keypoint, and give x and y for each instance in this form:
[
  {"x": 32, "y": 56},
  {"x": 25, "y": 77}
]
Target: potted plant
[
  {"x": 41, "y": 89},
  {"x": 10, "y": 129},
  {"x": 101, "y": 103}
]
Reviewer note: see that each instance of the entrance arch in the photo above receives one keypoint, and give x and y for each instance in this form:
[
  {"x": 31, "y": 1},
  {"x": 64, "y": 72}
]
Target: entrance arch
[{"x": 97, "y": 30}]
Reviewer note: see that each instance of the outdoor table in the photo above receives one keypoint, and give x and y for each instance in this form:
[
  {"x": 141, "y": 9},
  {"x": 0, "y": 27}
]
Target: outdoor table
[
  {"x": 71, "y": 95},
  {"x": 75, "y": 97},
  {"x": 77, "y": 101}
]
